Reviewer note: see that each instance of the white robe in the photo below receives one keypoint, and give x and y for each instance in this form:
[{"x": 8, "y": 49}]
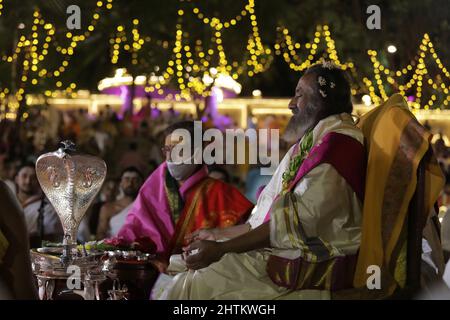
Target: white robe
[
  {"x": 118, "y": 220},
  {"x": 52, "y": 223},
  {"x": 327, "y": 207}
]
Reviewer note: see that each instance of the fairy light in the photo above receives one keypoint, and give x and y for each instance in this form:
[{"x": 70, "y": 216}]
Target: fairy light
[
  {"x": 37, "y": 46},
  {"x": 288, "y": 48},
  {"x": 216, "y": 23},
  {"x": 116, "y": 44},
  {"x": 189, "y": 65},
  {"x": 259, "y": 58},
  {"x": 418, "y": 77},
  {"x": 182, "y": 64},
  {"x": 137, "y": 41},
  {"x": 120, "y": 41},
  {"x": 75, "y": 40}
]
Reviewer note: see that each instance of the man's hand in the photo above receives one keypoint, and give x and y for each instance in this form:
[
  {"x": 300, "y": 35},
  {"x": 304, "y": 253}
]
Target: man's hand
[
  {"x": 202, "y": 234},
  {"x": 208, "y": 252},
  {"x": 160, "y": 265}
]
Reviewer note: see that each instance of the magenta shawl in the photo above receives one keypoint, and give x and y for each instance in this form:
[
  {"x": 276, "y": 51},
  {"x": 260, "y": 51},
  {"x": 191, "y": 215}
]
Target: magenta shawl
[{"x": 150, "y": 214}]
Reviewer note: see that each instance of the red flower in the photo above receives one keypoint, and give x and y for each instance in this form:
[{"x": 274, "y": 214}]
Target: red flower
[{"x": 116, "y": 242}]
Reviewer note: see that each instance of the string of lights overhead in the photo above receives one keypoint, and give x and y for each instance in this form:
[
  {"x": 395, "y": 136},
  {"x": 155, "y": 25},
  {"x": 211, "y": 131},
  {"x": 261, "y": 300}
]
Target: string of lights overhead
[
  {"x": 288, "y": 49},
  {"x": 33, "y": 50},
  {"x": 194, "y": 64},
  {"x": 190, "y": 67},
  {"x": 413, "y": 88}
]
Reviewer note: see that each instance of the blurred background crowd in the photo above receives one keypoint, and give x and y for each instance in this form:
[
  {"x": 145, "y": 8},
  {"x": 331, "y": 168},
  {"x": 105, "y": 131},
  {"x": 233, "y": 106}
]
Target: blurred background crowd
[{"x": 128, "y": 144}]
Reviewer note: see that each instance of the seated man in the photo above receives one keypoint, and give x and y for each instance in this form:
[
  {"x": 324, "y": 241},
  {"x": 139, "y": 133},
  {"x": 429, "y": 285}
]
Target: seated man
[
  {"x": 41, "y": 218},
  {"x": 179, "y": 198},
  {"x": 306, "y": 226},
  {"x": 113, "y": 214}
]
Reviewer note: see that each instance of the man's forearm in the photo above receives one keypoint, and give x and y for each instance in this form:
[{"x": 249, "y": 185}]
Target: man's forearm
[
  {"x": 255, "y": 239},
  {"x": 233, "y": 231}
]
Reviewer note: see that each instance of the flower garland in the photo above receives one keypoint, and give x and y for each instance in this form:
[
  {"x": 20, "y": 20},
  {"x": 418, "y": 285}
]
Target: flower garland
[{"x": 296, "y": 161}]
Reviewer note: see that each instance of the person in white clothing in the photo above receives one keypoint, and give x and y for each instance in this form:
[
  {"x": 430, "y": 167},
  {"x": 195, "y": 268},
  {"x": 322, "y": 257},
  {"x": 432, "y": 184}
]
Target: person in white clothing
[
  {"x": 130, "y": 182},
  {"x": 41, "y": 218},
  {"x": 309, "y": 213}
]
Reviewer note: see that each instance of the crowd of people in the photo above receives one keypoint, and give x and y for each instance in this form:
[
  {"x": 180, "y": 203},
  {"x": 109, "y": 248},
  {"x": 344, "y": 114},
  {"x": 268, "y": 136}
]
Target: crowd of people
[
  {"x": 309, "y": 213},
  {"x": 130, "y": 146},
  {"x": 132, "y": 139}
]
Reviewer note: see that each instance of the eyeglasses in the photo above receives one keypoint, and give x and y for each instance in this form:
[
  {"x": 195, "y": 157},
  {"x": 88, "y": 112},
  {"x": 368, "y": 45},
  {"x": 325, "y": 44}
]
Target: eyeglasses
[{"x": 166, "y": 149}]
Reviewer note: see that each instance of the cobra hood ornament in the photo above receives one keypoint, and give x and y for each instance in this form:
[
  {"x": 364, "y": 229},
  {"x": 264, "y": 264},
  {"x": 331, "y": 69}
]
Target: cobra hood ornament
[{"x": 70, "y": 183}]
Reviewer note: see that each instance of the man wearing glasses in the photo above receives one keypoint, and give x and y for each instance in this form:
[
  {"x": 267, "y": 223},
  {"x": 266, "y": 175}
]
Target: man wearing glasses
[{"x": 179, "y": 198}]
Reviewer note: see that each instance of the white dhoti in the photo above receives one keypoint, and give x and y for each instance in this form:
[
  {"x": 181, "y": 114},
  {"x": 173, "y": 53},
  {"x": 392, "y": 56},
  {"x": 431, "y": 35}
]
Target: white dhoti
[{"x": 236, "y": 276}]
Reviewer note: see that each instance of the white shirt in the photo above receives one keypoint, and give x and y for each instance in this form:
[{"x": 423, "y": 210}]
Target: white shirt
[
  {"x": 51, "y": 221},
  {"x": 117, "y": 221}
]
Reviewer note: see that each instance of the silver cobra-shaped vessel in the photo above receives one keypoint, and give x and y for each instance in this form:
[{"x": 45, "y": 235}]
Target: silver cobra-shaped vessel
[{"x": 70, "y": 183}]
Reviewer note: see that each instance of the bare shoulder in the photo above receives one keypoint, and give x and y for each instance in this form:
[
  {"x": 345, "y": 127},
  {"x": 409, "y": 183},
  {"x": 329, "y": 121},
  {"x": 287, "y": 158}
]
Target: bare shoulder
[
  {"x": 110, "y": 208},
  {"x": 107, "y": 207}
]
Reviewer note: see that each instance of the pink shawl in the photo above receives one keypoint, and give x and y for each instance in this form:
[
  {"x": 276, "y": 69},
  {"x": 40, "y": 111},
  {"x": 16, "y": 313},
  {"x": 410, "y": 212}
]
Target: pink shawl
[{"x": 150, "y": 214}]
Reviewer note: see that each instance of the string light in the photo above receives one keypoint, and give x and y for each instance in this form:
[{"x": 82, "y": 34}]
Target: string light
[
  {"x": 34, "y": 49},
  {"x": 216, "y": 23},
  {"x": 416, "y": 81},
  {"x": 120, "y": 41},
  {"x": 260, "y": 56},
  {"x": 288, "y": 49},
  {"x": 191, "y": 64}
]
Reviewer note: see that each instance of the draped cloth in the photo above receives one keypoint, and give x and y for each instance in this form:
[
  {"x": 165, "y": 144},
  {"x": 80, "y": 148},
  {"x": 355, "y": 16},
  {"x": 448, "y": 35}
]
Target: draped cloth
[
  {"x": 307, "y": 259},
  {"x": 118, "y": 220},
  {"x": 165, "y": 213},
  {"x": 396, "y": 143},
  {"x": 321, "y": 198}
]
